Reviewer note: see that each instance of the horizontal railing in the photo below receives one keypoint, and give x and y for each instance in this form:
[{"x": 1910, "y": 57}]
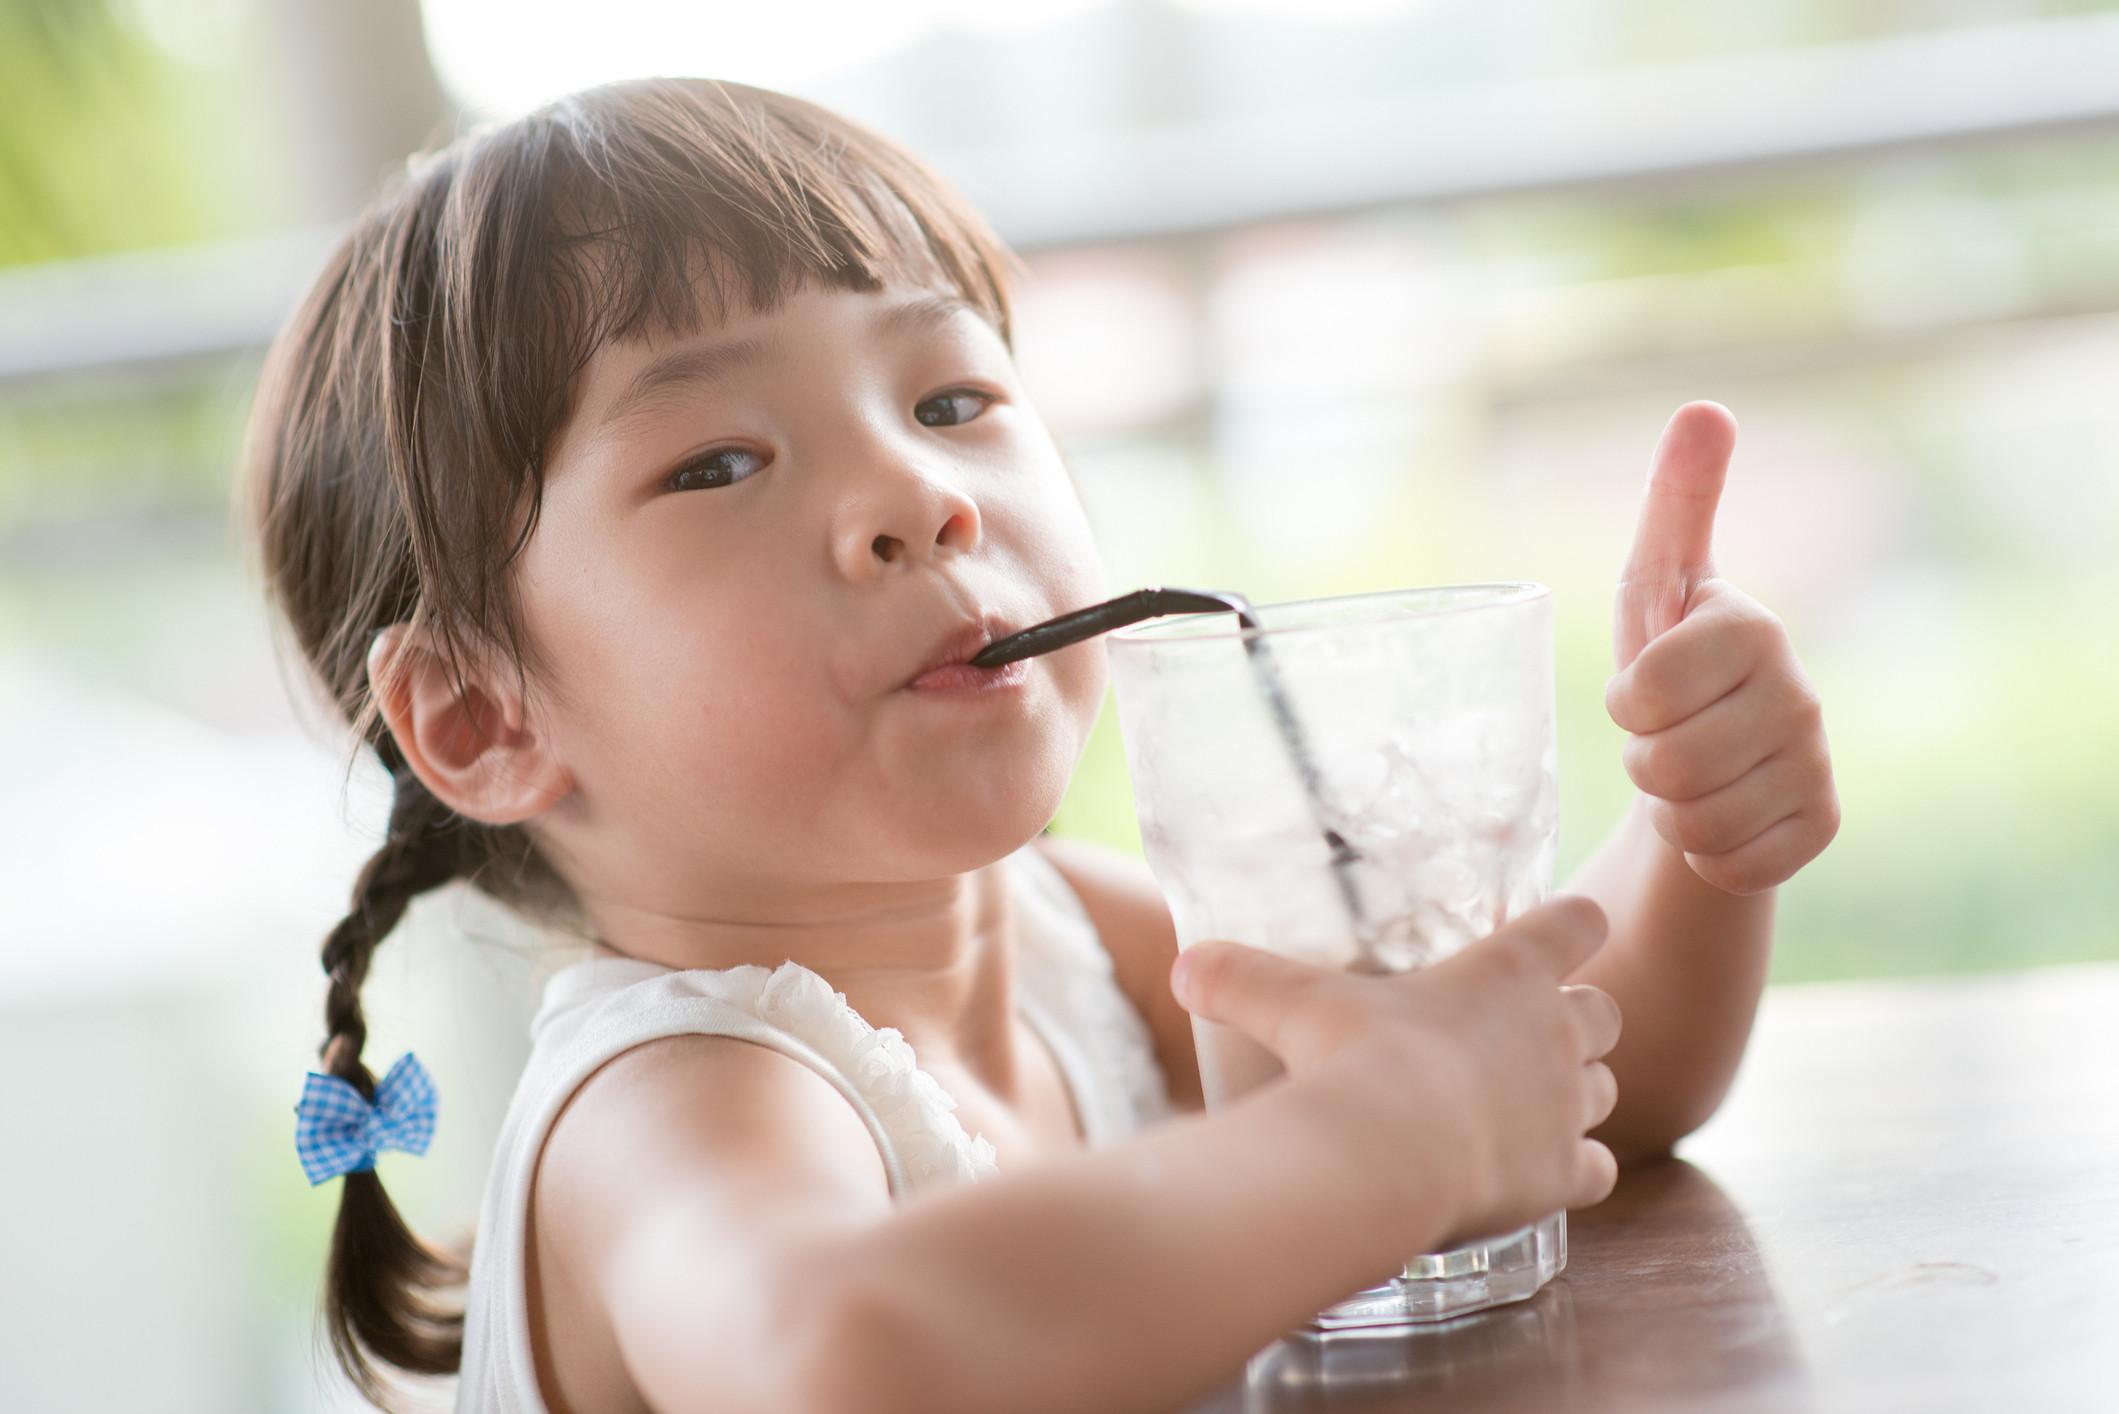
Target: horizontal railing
[{"x": 1790, "y": 106}]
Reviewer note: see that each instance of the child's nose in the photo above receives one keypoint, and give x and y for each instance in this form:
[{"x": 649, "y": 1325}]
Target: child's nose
[{"x": 899, "y": 516}]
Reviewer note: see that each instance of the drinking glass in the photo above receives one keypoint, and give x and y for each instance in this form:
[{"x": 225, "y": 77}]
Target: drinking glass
[{"x": 1364, "y": 782}]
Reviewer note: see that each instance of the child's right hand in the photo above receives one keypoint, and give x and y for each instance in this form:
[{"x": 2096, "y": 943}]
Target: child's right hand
[{"x": 1483, "y": 1065}]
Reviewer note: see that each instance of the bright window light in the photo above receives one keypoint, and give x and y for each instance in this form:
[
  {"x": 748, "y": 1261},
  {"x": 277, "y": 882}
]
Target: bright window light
[{"x": 503, "y": 57}]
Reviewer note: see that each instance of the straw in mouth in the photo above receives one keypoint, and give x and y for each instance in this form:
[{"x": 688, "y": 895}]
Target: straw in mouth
[{"x": 1070, "y": 629}]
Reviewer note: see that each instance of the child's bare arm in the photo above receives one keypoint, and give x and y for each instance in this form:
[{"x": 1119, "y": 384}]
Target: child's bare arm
[
  {"x": 741, "y": 1253},
  {"x": 1686, "y": 964},
  {"x": 1728, "y": 749}
]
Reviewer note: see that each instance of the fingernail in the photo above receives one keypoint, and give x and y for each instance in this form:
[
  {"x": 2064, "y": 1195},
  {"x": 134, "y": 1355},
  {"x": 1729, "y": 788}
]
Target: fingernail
[{"x": 1180, "y": 972}]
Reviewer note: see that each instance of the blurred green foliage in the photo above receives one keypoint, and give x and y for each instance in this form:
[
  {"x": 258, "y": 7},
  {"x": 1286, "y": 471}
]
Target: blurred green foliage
[
  {"x": 1651, "y": 31},
  {"x": 127, "y": 451},
  {"x": 1982, "y": 792},
  {"x": 111, "y": 142},
  {"x": 90, "y": 159}
]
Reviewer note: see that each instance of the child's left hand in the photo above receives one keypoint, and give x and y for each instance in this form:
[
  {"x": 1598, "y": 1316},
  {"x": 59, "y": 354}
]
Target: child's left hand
[{"x": 1728, "y": 742}]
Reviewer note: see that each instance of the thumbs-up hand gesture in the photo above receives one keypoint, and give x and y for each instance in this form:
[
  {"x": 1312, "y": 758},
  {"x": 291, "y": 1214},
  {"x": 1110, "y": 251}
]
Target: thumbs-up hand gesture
[{"x": 1727, "y": 738}]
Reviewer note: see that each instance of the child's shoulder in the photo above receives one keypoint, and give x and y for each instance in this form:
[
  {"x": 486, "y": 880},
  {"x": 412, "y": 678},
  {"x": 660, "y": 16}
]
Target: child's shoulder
[
  {"x": 685, "y": 1105},
  {"x": 685, "y": 1145},
  {"x": 665, "y": 1080},
  {"x": 1122, "y": 900}
]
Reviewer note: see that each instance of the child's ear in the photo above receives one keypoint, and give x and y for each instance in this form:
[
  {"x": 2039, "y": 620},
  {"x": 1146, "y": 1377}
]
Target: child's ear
[{"x": 470, "y": 739}]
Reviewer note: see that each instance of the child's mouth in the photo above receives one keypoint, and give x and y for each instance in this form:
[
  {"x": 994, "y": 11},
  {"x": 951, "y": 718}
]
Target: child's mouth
[
  {"x": 962, "y": 677},
  {"x": 950, "y": 670}
]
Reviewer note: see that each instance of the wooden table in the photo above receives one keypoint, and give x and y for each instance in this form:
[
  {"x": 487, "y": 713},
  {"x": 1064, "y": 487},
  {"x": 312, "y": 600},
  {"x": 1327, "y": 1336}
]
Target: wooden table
[{"x": 1910, "y": 1202}]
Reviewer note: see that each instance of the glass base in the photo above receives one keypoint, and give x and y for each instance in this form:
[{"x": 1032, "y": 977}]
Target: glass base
[{"x": 1440, "y": 1285}]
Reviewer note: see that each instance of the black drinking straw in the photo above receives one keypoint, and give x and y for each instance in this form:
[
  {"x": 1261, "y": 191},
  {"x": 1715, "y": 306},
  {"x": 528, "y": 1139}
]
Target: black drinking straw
[{"x": 1070, "y": 629}]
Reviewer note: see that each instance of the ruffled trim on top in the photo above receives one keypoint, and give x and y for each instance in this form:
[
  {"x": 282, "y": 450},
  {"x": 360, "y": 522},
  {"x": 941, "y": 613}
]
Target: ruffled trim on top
[{"x": 911, "y": 1106}]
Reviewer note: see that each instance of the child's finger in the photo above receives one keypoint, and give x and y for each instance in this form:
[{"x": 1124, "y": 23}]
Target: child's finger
[
  {"x": 1714, "y": 747},
  {"x": 1731, "y": 817},
  {"x": 1673, "y": 543},
  {"x": 1247, "y": 988},
  {"x": 1554, "y": 938},
  {"x": 1600, "y": 1090},
  {"x": 1774, "y": 855},
  {"x": 1596, "y": 1174},
  {"x": 1720, "y": 644},
  {"x": 1596, "y": 1018},
  {"x": 1674, "y": 537}
]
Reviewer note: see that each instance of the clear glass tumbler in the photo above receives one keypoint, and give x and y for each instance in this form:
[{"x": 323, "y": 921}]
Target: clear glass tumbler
[{"x": 1423, "y": 722}]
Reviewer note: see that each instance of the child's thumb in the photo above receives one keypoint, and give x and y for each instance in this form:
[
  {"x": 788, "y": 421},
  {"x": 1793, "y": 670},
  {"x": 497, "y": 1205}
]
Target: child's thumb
[
  {"x": 1673, "y": 544},
  {"x": 1551, "y": 940},
  {"x": 1254, "y": 991}
]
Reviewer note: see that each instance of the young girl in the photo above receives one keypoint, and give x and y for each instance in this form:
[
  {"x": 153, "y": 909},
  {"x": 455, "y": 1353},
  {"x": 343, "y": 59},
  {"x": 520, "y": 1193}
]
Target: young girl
[{"x": 638, "y": 480}]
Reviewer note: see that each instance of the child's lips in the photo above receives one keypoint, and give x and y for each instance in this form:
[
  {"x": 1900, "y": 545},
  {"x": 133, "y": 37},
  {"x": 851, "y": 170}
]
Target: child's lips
[
  {"x": 949, "y": 670},
  {"x": 962, "y": 677}
]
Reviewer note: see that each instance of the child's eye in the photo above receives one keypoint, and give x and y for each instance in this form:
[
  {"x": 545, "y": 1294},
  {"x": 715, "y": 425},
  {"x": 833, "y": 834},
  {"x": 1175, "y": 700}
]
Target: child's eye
[
  {"x": 723, "y": 467},
  {"x": 958, "y": 405}
]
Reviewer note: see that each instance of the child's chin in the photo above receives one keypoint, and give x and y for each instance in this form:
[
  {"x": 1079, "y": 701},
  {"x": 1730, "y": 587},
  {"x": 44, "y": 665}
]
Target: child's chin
[{"x": 971, "y": 841}]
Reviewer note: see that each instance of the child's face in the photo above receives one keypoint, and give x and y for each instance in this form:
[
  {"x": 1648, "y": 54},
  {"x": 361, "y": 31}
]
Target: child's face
[{"x": 761, "y": 546}]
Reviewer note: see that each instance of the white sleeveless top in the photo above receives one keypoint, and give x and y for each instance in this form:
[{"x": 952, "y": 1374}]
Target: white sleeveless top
[{"x": 598, "y": 1009}]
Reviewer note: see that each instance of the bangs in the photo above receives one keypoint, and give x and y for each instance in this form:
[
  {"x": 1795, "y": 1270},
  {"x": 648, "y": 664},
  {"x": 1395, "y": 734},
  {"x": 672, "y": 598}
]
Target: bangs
[{"x": 672, "y": 200}]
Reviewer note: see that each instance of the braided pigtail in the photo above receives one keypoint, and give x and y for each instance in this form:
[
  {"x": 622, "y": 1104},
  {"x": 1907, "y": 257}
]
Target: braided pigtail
[{"x": 383, "y": 1288}]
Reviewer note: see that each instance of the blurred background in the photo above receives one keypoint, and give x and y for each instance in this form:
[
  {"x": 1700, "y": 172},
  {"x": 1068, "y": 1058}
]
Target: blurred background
[{"x": 1321, "y": 296}]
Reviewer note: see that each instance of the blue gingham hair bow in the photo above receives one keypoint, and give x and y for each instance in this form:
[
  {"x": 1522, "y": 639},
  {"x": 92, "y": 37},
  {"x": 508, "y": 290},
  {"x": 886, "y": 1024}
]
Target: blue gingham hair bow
[{"x": 337, "y": 1131}]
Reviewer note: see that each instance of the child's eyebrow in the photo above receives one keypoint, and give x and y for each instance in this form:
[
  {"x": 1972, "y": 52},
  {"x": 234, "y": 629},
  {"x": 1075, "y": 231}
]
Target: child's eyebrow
[
  {"x": 930, "y": 312},
  {"x": 686, "y": 367}
]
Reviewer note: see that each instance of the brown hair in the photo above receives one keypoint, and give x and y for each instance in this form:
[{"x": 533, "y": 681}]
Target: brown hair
[{"x": 397, "y": 449}]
